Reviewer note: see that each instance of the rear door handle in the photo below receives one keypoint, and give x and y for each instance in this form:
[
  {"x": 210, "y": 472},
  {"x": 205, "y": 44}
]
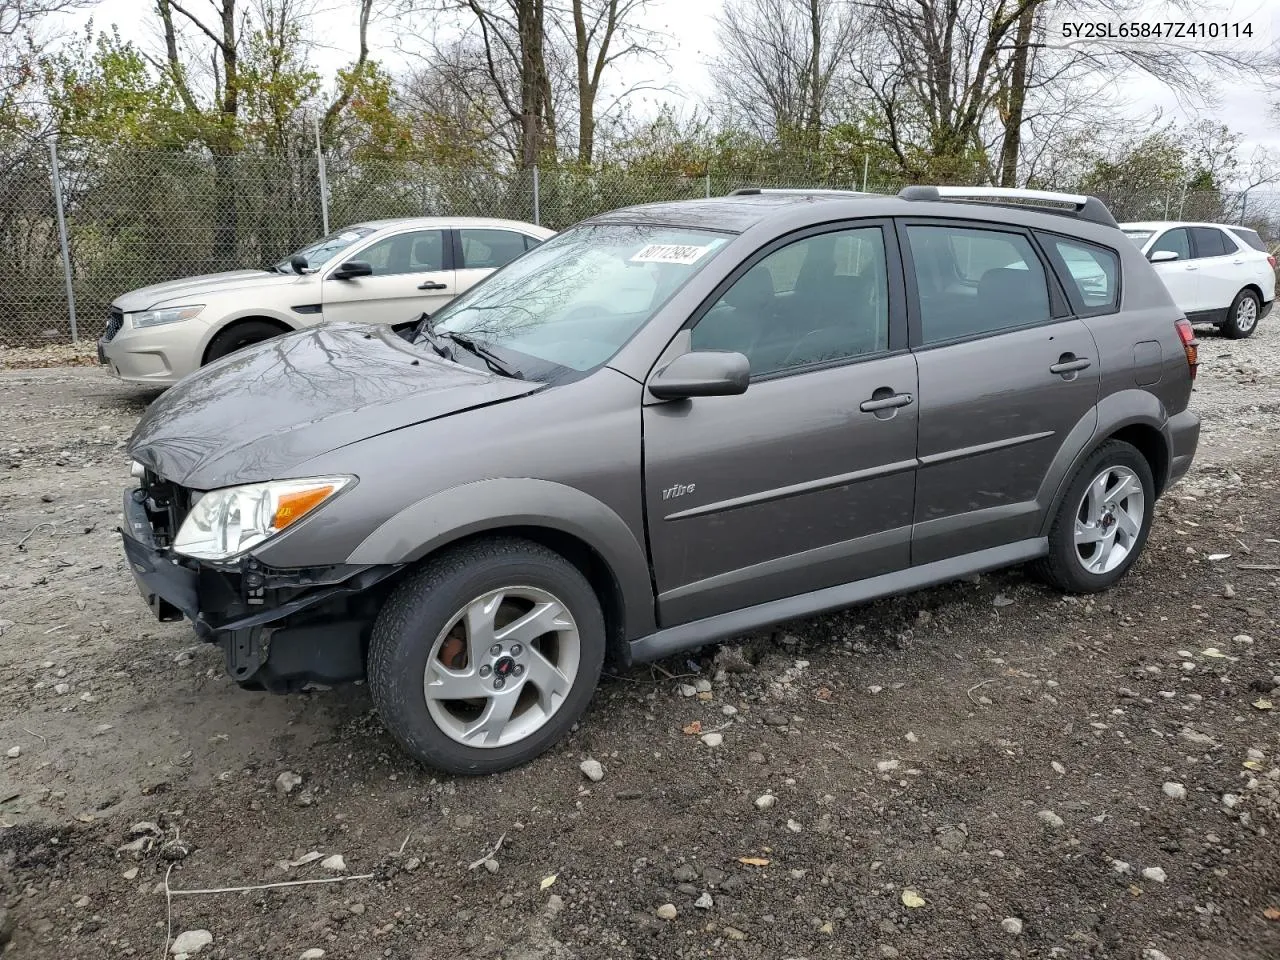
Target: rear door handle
[
  {"x": 1068, "y": 363},
  {"x": 432, "y": 285},
  {"x": 885, "y": 403},
  {"x": 1192, "y": 266},
  {"x": 1237, "y": 261}
]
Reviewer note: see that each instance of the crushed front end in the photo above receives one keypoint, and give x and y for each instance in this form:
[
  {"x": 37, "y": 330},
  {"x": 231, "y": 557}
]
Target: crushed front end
[{"x": 279, "y": 629}]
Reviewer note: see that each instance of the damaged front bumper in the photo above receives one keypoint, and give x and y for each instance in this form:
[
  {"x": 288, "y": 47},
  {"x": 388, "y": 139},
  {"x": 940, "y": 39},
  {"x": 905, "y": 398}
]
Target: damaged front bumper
[{"x": 278, "y": 628}]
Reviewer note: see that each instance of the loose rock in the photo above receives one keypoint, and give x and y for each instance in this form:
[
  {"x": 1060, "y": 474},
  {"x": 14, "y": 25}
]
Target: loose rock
[
  {"x": 1011, "y": 925},
  {"x": 335, "y": 863},
  {"x": 1174, "y": 791},
  {"x": 766, "y": 801},
  {"x": 491, "y": 865},
  {"x": 13, "y": 753},
  {"x": 592, "y": 770},
  {"x": 1049, "y": 818},
  {"x": 1155, "y": 874},
  {"x": 704, "y": 902},
  {"x": 667, "y": 911},
  {"x": 315, "y": 953},
  {"x": 191, "y": 941},
  {"x": 713, "y": 739},
  {"x": 287, "y": 782}
]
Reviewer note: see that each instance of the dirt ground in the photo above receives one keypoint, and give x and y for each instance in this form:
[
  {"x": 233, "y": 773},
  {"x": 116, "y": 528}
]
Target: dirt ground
[{"x": 981, "y": 770}]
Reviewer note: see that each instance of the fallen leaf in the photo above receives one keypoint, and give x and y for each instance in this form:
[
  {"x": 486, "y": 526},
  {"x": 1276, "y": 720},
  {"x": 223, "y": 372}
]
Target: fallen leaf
[
  {"x": 824, "y": 693},
  {"x": 85, "y": 817},
  {"x": 306, "y": 858},
  {"x": 1263, "y": 704},
  {"x": 1135, "y": 889},
  {"x": 754, "y": 861},
  {"x": 912, "y": 899},
  {"x": 692, "y": 728},
  {"x": 1272, "y": 913},
  {"x": 1219, "y": 556},
  {"x": 547, "y": 881},
  {"x": 1213, "y": 652}
]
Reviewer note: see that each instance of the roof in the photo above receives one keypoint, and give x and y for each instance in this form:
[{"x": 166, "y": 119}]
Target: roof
[
  {"x": 1165, "y": 224},
  {"x": 426, "y": 223}
]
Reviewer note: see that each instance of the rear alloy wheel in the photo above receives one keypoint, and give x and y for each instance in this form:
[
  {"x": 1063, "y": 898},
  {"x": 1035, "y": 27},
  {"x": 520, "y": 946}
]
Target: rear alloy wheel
[
  {"x": 1242, "y": 318},
  {"x": 487, "y": 656},
  {"x": 1102, "y": 523}
]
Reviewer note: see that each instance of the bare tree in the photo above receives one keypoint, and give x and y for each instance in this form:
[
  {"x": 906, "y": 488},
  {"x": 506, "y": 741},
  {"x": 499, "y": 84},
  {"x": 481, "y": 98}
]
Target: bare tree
[
  {"x": 21, "y": 41},
  {"x": 779, "y": 60}
]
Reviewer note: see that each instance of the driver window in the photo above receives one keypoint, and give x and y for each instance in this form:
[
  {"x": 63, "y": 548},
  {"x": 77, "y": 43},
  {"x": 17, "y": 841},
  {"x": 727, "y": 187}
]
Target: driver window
[
  {"x": 821, "y": 299},
  {"x": 1179, "y": 241},
  {"x": 421, "y": 251}
]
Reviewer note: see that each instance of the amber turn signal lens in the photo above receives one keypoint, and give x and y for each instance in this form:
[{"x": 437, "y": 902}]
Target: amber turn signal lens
[{"x": 297, "y": 504}]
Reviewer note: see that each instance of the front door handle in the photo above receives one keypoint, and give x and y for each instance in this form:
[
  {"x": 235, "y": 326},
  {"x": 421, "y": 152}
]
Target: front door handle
[
  {"x": 885, "y": 403},
  {"x": 1069, "y": 364},
  {"x": 1192, "y": 266},
  {"x": 432, "y": 285}
]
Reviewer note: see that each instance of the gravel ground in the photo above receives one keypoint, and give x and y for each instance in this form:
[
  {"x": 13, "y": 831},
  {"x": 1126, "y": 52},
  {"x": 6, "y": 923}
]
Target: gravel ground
[{"x": 981, "y": 770}]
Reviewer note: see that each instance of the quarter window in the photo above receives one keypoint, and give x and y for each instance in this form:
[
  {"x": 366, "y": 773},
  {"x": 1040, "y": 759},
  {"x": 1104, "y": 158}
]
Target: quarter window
[
  {"x": 974, "y": 282},
  {"x": 1210, "y": 242},
  {"x": 1094, "y": 271},
  {"x": 821, "y": 299},
  {"x": 420, "y": 251}
]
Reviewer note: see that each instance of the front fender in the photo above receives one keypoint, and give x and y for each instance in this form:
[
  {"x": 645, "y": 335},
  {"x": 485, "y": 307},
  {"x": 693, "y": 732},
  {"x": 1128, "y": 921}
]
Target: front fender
[
  {"x": 442, "y": 518},
  {"x": 1125, "y": 408}
]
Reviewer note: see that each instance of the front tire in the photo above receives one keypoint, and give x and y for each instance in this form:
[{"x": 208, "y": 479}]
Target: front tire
[
  {"x": 238, "y": 336},
  {"x": 484, "y": 658},
  {"x": 1102, "y": 524},
  {"x": 1242, "y": 318}
]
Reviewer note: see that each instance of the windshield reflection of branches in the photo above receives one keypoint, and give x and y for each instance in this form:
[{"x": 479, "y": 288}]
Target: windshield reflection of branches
[{"x": 580, "y": 276}]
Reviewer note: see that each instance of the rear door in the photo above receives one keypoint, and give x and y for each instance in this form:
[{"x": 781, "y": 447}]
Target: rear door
[
  {"x": 481, "y": 250},
  {"x": 806, "y": 480},
  {"x": 1006, "y": 372},
  {"x": 1180, "y": 276},
  {"x": 412, "y": 272},
  {"x": 1223, "y": 270}
]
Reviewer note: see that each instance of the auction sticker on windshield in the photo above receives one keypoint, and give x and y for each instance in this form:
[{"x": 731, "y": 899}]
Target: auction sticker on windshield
[{"x": 670, "y": 253}]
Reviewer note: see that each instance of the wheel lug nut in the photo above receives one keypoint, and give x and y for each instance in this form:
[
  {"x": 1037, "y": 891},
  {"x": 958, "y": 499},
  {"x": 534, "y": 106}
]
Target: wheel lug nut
[
  {"x": 499, "y": 683},
  {"x": 516, "y": 649},
  {"x": 486, "y": 670},
  {"x": 519, "y": 669},
  {"x": 495, "y": 650}
]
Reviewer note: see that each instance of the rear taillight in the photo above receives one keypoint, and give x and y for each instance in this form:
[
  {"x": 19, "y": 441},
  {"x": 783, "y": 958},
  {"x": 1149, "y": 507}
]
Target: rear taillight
[
  {"x": 1190, "y": 345},
  {"x": 1271, "y": 260}
]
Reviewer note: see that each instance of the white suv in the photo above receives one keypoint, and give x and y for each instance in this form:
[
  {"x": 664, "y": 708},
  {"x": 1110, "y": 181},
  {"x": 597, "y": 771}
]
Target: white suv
[
  {"x": 386, "y": 271},
  {"x": 1217, "y": 273}
]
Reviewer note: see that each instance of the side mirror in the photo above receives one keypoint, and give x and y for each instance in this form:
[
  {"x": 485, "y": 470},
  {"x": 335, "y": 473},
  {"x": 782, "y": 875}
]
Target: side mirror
[
  {"x": 352, "y": 269},
  {"x": 299, "y": 264},
  {"x": 707, "y": 373},
  {"x": 1163, "y": 256}
]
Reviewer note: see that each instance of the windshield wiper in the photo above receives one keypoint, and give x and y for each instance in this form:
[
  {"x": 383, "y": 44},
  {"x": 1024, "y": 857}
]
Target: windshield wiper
[
  {"x": 423, "y": 331},
  {"x": 496, "y": 364}
]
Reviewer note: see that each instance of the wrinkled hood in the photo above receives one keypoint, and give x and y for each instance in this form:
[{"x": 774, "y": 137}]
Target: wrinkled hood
[
  {"x": 191, "y": 289},
  {"x": 260, "y": 412}
]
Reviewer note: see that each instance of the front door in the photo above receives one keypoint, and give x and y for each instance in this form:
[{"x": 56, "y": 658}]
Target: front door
[
  {"x": 412, "y": 272},
  {"x": 806, "y": 480},
  {"x": 1181, "y": 276},
  {"x": 1005, "y": 375}
]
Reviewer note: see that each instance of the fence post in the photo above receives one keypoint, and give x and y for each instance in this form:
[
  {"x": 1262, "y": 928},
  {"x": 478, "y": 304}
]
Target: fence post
[
  {"x": 866, "y": 166},
  {"x": 537, "y": 200},
  {"x": 707, "y": 176},
  {"x": 1244, "y": 203},
  {"x": 62, "y": 237},
  {"x": 324, "y": 178}
]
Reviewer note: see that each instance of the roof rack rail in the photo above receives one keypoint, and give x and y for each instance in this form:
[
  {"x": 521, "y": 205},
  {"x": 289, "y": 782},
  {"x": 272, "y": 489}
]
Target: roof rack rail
[
  {"x": 796, "y": 191},
  {"x": 1070, "y": 204}
]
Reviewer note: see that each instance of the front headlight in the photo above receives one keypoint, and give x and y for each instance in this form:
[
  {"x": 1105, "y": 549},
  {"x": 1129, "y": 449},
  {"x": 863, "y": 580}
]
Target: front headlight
[
  {"x": 153, "y": 318},
  {"x": 225, "y": 523}
]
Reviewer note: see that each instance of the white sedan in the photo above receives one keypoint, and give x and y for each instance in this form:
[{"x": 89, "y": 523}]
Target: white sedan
[
  {"x": 1217, "y": 273},
  {"x": 384, "y": 271}
]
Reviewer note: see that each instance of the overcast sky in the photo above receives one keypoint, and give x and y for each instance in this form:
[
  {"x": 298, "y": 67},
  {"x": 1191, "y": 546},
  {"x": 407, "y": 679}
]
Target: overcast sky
[{"x": 691, "y": 26}]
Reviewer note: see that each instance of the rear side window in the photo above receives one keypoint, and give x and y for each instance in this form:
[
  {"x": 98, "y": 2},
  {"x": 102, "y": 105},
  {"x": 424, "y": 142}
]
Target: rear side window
[
  {"x": 489, "y": 249},
  {"x": 1093, "y": 271},
  {"x": 1250, "y": 237},
  {"x": 975, "y": 282},
  {"x": 1210, "y": 242}
]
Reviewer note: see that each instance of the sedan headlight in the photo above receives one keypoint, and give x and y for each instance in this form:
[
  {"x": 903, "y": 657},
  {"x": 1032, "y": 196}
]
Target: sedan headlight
[
  {"x": 154, "y": 318},
  {"x": 225, "y": 523}
]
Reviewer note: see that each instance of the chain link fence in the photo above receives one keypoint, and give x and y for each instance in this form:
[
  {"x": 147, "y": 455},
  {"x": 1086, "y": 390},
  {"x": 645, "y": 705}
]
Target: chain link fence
[{"x": 137, "y": 217}]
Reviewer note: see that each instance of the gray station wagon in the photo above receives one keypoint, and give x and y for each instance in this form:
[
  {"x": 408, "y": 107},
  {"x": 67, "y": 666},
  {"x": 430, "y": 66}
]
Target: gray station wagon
[{"x": 669, "y": 425}]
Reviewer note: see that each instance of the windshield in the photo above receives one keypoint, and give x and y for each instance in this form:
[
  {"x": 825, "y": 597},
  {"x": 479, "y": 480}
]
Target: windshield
[
  {"x": 322, "y": 251},
  {"x": 1139, "y": 237},
  {"x": 569, "y": 305}
]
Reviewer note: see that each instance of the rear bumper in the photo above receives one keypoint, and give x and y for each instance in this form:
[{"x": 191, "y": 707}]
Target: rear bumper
[{"x": 1184, "y": 435}]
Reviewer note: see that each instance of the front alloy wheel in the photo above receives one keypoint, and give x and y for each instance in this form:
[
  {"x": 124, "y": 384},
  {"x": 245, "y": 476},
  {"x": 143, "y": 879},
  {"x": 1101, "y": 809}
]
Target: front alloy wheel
[{"x": 487, "y": 655}]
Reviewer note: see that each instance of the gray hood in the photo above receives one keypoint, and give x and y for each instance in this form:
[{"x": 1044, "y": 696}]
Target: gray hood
[
  {"x": 191, "y": 289},
  {"x": 261, "y": 412}
]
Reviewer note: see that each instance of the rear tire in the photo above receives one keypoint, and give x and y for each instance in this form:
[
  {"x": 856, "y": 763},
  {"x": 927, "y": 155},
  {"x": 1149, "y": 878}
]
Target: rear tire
[
  {"x": 1102, "y": 524},
  {"x": 238, "y": 336},
  {"x": 456, "y": 679},
  {"x": 1242, "y": 318}
]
